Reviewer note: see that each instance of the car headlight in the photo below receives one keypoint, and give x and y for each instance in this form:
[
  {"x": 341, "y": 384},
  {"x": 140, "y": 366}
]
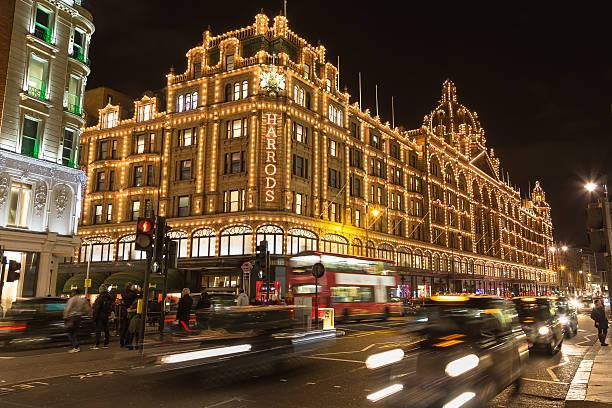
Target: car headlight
[
  {"x": 385, "y": 358},
  {"x": 462, "y": 365},
  {"x": 563, "y": 320},
  {"x": 544, "y": 330}
]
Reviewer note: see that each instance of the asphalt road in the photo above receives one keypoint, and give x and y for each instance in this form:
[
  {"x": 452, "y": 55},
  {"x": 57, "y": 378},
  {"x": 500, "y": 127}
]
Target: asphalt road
[{"x": 334, "y": 376}]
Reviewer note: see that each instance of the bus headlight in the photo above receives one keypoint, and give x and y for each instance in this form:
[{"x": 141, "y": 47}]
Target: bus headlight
[
  {"x": 563, "y": 320},
  {"x": 544, "y": 330},
  {"x": 462, "y": 365},
  {"x": 385, "y": 358}
]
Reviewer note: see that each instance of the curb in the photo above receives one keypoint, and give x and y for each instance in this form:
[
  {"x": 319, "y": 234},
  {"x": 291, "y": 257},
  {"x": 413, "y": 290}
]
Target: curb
[{"x": 576, "y": 395}]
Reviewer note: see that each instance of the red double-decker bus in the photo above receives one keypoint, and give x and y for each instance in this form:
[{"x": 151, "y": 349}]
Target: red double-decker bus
[{"x": 356, "y": 287}]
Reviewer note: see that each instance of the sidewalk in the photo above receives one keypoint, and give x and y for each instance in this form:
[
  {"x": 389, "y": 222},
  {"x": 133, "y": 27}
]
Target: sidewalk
[{"x": 592, "y": 383}]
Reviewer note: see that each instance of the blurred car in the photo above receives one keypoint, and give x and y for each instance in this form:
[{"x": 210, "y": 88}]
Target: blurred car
[
  {"x": 586, "y": 304},
  {"x": 540, "y": 321},
  {"x": 39, "y": 320},
  {"x": 463, "y": 352},
  {"x": 568, "y": 315}
]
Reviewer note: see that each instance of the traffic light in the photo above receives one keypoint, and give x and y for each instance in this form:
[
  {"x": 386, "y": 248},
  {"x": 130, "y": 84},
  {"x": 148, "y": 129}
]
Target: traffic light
[
  {"x": 261, "y": 257},
  {"x": 160, "y": 234},
  {"x": 13, "y": 271},
  {"x": 596, "y": 232},
  {"x": 145, "y": 234},
  {"x": 172, "y": 256}
]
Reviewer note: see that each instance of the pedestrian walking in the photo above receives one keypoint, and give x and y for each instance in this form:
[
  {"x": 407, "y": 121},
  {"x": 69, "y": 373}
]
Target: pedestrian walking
[
  {"x": 242, "y": 299},
  {"x": 134, "y": 319},
  {"x": 102, "y": 309},
  {"x": 184, "y": 309},
  {"x": 601, "y": 321},
  {"x": 127, "y": 298},
  {"x": 76, "y": 308}
]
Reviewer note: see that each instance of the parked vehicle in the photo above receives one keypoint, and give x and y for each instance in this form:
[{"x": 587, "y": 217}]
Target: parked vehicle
[
  {"x": 39, "y": 320},
  {"x": 540, "y": 321},
  {"x": 470, "y": 348}
]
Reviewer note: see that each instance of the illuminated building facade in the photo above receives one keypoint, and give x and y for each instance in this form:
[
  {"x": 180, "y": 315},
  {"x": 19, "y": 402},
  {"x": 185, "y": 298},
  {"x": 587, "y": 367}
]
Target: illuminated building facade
[
  {"x": 43, "y": 70},
  {"x": 256, "y": 141}
]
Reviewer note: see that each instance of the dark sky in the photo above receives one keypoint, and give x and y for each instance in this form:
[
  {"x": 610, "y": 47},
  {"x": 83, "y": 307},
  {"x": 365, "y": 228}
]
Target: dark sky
[{"x": 539, "y": 75}]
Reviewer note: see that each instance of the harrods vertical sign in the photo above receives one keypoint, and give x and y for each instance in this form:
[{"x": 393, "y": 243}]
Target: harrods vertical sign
[{"x": 270, "y": 162}]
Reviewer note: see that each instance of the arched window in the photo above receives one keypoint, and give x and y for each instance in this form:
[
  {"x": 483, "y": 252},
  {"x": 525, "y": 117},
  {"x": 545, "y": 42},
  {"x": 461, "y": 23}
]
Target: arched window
[
  {"x": 435, "y": 166},
  {"x": 403, "y": 257},
  {"x": 334, "y": 244},
  {"x": 385, "y": 251},
  {"x": 180, "y": 238},
  {"x": 228, "y": 92},
  {"x": 462, "y": 182},
  {"x": 444, "y": 264},
  {"x": 203, "y": 243},
  {"x": 237, "y": 91},
  {"x": 427, "y": 261},
  {"x": 296, "y": 94},
  {"x": 236, "y": 241},
  {"x": 448, "y": 176},
  {"x": 99, "y": 249},
  {"x": 245, "y": 89},
  {"x": 299, "y": 240},
  {"x": 308, "y": 100},
  {"x": 435, "y": 264},
  {"x": 418, "y": 259},
  {"x": 356, "y": 246},
  {"x": 274, "y": 236},
  {"x": 370, "y": 250},
  {"x": 126, "y": 250}
]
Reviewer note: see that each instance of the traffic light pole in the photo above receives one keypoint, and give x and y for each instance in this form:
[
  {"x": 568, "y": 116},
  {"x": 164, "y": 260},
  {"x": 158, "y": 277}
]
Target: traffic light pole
[
  {"x": 267, "y": 272},
  {"x": 2, "y": 267},
  {"x": 162, "y": 317},
  {"x": 608, "y": 227},
  {"x": 145, "y": 300}
]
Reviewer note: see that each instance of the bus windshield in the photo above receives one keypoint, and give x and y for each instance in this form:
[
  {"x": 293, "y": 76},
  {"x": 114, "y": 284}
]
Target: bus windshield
[{"x": 302, "y": 264}]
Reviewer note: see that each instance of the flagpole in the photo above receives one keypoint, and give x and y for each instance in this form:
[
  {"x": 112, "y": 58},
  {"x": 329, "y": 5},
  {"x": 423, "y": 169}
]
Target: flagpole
[
  {"x": 392, "y": 114},
  {"x": 360, "y": 92},
  {"x": 377, "y": 100}
]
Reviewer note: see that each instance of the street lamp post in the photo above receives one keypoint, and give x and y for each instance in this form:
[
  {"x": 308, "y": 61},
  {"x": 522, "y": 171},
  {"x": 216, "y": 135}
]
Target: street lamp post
[
  {"x": 375, "y": 213},
  {"x": 592, "y": 187},
  {"x": 560, "y": 268}
]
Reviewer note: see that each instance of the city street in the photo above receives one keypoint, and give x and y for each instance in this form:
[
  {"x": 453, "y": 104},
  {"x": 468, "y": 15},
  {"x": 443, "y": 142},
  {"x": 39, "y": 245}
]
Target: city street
[{"x": 334, "y": 376}]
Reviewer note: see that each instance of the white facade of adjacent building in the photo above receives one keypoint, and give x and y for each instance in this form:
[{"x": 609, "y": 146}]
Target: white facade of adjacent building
[{"x": 40, "y": 183}]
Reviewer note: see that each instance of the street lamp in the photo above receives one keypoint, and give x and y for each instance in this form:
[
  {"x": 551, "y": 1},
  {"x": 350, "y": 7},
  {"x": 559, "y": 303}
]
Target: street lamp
[
  {"x": 375, "y": 212},
  {"x": 590, "y": 187}
]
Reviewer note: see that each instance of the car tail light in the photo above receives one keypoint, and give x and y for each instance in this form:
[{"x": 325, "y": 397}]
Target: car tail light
[{"x": 8, "y": 326}]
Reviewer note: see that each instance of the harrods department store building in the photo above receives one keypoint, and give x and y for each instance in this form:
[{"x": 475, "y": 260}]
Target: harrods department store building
[{"x": 255, "y": 141}]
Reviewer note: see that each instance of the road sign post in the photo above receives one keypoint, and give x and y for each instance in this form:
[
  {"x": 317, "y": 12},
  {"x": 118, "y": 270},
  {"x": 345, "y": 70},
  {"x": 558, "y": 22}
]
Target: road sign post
[{"x": 318, "y": 270}]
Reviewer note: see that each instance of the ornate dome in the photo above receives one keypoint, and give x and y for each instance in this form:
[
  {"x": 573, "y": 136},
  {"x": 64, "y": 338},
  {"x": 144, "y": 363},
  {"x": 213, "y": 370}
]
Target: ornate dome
[{"x": 453, "y": 121}]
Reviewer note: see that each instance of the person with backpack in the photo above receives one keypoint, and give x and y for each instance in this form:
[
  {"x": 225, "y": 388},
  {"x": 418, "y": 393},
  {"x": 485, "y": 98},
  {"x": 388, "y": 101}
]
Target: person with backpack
[{"x": 102, "y": 308}]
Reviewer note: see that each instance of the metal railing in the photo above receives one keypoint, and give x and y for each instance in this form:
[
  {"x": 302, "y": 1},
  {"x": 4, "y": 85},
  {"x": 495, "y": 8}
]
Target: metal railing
[{"x": 42, "y": 33}]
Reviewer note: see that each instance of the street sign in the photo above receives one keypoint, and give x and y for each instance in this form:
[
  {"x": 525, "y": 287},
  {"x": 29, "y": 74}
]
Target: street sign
[
  {"x": 155, "y": 267},
  {"x": 247, "y": 266},
  {"x": 318, "y": 270},
  {"x": 87, "y": 283}
]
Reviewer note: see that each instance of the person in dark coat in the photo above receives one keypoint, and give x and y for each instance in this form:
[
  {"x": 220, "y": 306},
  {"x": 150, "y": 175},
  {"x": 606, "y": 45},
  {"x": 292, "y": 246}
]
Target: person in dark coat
[
  {"x": 184, "y": 309},
  {"x": 601, "y": 321},
  {"x": 204, "y": 302},
  {"x": 127, "y": 298},
  {"x": 102, "y": 308}
]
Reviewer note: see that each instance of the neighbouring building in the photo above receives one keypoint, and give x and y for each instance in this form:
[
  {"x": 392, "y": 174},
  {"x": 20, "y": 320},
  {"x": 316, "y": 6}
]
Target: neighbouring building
[
  {"x": 256, "y": 141},
  {"x": 44, "y": 64}
]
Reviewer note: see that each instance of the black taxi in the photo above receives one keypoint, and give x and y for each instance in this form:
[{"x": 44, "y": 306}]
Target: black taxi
[
  {"x": 540, "y": 322},
  {"x": 460, "y": 351}
]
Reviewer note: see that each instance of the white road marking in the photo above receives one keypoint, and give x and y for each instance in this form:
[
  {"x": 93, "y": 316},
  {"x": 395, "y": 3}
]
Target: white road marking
[
  {"x": 545, "y": 381},
  {"x": 550, "y": 369},
  {"x": 311, "y": 383},
  {"x": 368, "y": 347},
  {"x": 336, "y": 359},
  {"x": 6, "y": 358}
]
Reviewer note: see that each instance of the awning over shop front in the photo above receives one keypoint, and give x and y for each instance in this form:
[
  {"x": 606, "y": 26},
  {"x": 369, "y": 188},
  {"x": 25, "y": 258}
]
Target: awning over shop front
[
  {"x": 78, "y": 282},
  {"x": 118, "y": 280}
]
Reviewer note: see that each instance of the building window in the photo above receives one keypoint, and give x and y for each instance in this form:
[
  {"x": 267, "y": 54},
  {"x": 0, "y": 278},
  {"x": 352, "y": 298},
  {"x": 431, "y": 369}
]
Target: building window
[
  {"x": 37, "y": 77},
  {"x": 234, "y": 200},
  {"x": 149, "y": 175},
  {"x": 229, "y": 62},
  {"x": 245, "y": 89},
  {"x": 306, "y": 71},
  {"x": 300, "y": 240},
  {"x": 394, "y": 150},
  {"x": 356, "y": 158},
  {"x": 203, "y": 243},
  {"x": 333, "y": 148},
  {"x": 98, "y": 249},
  {"x": 78, "y": 45},
  {"x": 236, "y": 241},
  {"x": 113, "y": 149},
  {"x": 183, "y": 206},
  {"x": 140, "y": 143},
  {"x": 236, "y": 91},
  {"x": 357, "y": 219},
  {"x": 334, "y": 244},
  {"x": 97, "y": 214},
  {"x": 43, "y": 24},
  {"x": 412, "y": 160},
  {"x": 273, "y": 235},
  {"x": 29, "y": 137},
  {"x": 73, "y": 95},
  {"x": 334, "y": 178},
  {"x": 300, "y": 166},
  {"x": 299, "y": 204},
  {"x": 334, "y": 212},
  {"x": 355, "y": 130},
  {"x": 103, "y": 150},
  {"x": 187, "y": 137},
  {"x": 135, "y": 210},
  {"x": 19, "y": 205},
  {"x": 185, "y": 170},
  {"x": 68, "y": 151},
  {"x": 237, "y": 128},
  {"x": 151, "y": 142},
  {"x": 375, "y": 140},
  {"x": 109, "y": 119},
  {"x": 181, "y": 242},
  {"x": 144, "y": 112},
  {"x": 328, "y": 85},
  {"x": 126, "y": 249},
  {"x": 109, "y": 212},
  {"x": 111, "y": 180},
  {"x": 356, "y": 186},
  {"x": 335, "y": 115},
  {"x": 300, "y": 133},
  {"x": 235, "y": 162},
  {"x": 228, "y": 92},
  {"x": 137, "y": 176},
  {"x": 100, "y": 181}
]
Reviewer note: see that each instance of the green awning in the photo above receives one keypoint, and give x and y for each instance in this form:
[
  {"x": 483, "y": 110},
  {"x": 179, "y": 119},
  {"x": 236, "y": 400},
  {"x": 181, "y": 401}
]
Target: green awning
[
  {"x": 118, "y": 280},
  {"x": 175, "y": 281},
  {"x": 78, "y": 282}
]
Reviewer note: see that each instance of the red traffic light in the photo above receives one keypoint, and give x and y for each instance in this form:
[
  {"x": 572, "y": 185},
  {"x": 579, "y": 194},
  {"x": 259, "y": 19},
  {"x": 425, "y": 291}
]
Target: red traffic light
[
  {"x": 145, "y": 232},
  {"x": 145, "y": 226}
]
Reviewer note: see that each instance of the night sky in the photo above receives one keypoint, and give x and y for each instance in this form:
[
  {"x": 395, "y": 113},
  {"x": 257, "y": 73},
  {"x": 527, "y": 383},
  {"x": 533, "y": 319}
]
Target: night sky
[{"x": 539, "y": 75}]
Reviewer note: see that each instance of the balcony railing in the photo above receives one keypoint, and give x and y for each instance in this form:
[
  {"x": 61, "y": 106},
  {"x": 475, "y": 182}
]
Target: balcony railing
[
  {"x": 77, "y": 53},
  {"x": 43, "y": 33},
  {"x": 73, "y": 108},
  {"x": 36, "y": 92}
]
